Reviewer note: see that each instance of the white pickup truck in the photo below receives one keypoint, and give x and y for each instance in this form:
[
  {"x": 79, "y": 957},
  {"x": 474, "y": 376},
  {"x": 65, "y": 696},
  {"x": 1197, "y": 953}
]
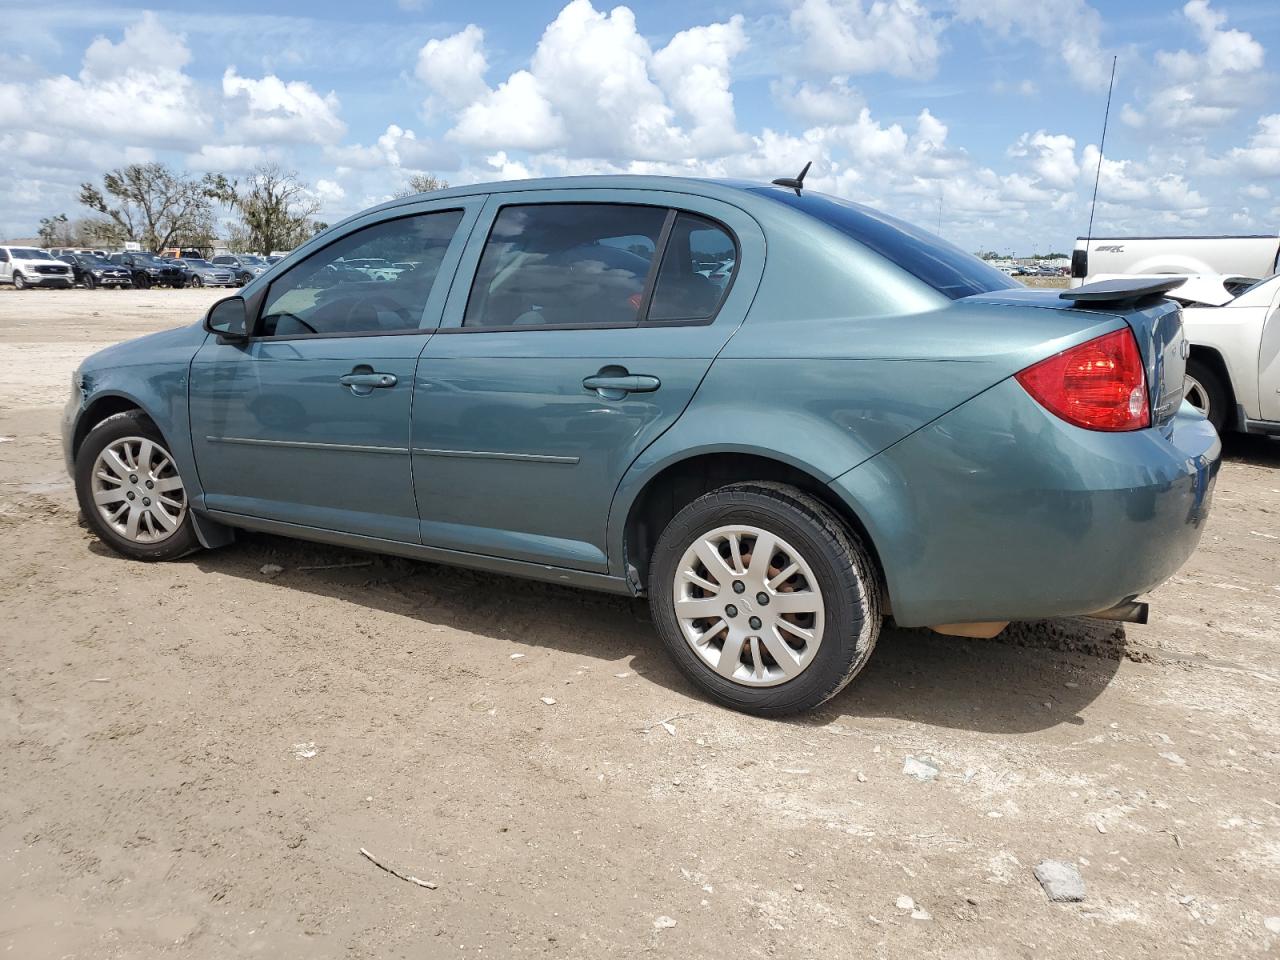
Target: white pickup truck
[
  {"x": 1233, "y": 373},
  {"x": 1255, "y": 257}
]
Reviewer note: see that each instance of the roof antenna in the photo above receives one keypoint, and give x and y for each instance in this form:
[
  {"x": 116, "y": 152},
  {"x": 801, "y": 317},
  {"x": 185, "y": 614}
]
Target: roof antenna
[
  {"x": 795, "y": 183},
  {"x": 1101, "y": 146}
]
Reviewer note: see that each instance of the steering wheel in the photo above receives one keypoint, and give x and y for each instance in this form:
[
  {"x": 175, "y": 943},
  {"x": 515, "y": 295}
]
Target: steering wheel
[{"x": 373, "y": 303}]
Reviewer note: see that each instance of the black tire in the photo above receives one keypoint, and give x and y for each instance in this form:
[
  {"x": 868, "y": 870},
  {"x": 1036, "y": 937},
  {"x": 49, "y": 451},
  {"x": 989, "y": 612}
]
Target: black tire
[
  {"x": 89, "y": 282},
  {"x": 134, "y": 424},
  {"x": 19, "y": 282},
  {"x": 841, "y": 565},
  {"x": 196, "y": 282},
  {"x": 1215, "y": 393},
  {"x": 126, "y": 286}
]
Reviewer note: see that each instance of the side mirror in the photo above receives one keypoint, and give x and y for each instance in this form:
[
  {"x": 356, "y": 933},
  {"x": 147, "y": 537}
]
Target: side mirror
[{"x": 228, "y": 320}]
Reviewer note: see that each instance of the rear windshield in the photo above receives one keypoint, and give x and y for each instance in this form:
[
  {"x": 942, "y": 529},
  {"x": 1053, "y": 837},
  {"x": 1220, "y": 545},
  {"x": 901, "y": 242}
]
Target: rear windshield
[{"x": 945, "y": 267}]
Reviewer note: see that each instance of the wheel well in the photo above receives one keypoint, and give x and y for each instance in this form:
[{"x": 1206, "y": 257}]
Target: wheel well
[
  {"x": 680, "y": 484},
  {"x": 100, "y": 410},
  {"x": 1213, "y": 360}
]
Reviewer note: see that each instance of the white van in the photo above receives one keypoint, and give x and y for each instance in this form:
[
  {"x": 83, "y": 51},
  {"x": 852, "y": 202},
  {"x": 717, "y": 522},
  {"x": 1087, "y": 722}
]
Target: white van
[
  {"x": 1256, "y": 256},
  {"x": 31, "y": 267}
]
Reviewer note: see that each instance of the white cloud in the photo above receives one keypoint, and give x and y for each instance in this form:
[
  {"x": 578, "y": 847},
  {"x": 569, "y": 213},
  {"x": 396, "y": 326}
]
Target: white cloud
[
  {"x": 829, "y": 103},
  {"x": 694, "y": 71},
  {"x": 899, "y": 37},
  {"x": 1260, "y": 157},
  {"x": 226, "y": 158},
  {"x": 1205, "y": 88},
  {"x": 515, "y": 115},
  {"x": 454, "y": 68},
  {"x": 1052, "y": 157},
  {"x": 276, "y": 110},
  {"x": 1072, "y": 28}
]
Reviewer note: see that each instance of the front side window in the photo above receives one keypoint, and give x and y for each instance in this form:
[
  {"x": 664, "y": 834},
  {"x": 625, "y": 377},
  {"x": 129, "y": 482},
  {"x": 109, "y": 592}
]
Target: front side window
[
  {"x": 696, "y": 270},
  {"x": 565, "y": 264},
  {"x": 335, "y": 290}
]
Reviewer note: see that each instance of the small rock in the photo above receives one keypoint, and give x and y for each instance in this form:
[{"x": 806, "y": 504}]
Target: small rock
[
  {"x": 921, "y": 914},
  {"x": 669, "y": 727},
  {"x": 1272, "y": 924},
  {"x": 623, "y": 675},
  {"x": 905, "y": 903},
  {"x": 862, "y": 777},
  {"x": 305, "y": 751},
  {"x": 549, "y": 701},
  {"x": 922, "y": 769},
  {"x": 663, "y": 923},
  {"x": 1173, "y": 758},
  {"x": 271, "y": 570},
  {"x": 1061, "y": 881},
  {"x": 517, "y": 656},
  {"x": 799, "y": 887}
]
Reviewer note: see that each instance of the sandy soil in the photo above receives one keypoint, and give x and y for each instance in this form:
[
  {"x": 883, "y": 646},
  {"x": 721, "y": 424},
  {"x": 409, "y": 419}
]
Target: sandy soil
[{"x": 193, "y": 754}]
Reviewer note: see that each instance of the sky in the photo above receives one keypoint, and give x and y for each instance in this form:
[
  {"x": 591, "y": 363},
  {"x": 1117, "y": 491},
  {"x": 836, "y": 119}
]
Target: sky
[{"x": 979, "y": 119}]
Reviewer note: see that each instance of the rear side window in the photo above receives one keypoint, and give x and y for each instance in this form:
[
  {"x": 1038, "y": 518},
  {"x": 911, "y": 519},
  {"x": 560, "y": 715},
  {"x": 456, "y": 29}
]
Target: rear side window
[
  {"x": 565, "y": 264},
  {"x": 943, "y": 266},
  {"x": 350, "y": 286},
  {"x": 696, "y": 271}
]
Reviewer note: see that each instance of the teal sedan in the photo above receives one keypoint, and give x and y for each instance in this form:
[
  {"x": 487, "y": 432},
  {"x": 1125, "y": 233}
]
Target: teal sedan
[{"x": 781, "y": 416}]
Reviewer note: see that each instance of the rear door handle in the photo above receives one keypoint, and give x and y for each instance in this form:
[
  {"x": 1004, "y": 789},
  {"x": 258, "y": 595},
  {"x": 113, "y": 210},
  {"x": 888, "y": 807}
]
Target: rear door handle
[
  {"x": 363, "y": 384},
  {"x": 616, "y": 387}
]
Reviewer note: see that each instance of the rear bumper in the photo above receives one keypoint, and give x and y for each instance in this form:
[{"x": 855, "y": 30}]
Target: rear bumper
[{"x": 1001, "y": 511}]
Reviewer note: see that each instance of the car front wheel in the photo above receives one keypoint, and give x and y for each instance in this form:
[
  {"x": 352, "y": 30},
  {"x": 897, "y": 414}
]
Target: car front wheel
[
  {"x": 764, "y": 599},
  {"x": 130, "y": 491},
  {"x": 19, "y": 282}
]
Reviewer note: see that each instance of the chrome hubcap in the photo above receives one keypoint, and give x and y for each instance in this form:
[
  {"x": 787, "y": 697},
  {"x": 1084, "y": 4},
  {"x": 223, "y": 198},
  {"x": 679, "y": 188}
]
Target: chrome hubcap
[
  {"x": 1194, "y": 393},
  {"x": 137, "y": 490},
  {"x": 749, "y": 605}
]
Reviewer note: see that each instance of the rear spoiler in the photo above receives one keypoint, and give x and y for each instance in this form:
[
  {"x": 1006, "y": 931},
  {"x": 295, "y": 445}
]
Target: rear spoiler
[{"x": 1121, "y": 293}]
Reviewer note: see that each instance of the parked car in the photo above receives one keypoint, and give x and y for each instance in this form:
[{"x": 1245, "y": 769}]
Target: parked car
[
  {"x": 148, "y": 270},
  {"x": 202, "y": 273},
  {"x": 94, "y": 271},
  {"x": 1250, "y": 256},
  {"x": 31, "y": 267},
  {"x": 776, "y": 463},
  {"x": 243, "y": 265}
]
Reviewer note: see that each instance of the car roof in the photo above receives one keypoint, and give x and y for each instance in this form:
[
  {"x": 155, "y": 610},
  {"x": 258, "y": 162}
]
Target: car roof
[{"x": 731, "y": 190}]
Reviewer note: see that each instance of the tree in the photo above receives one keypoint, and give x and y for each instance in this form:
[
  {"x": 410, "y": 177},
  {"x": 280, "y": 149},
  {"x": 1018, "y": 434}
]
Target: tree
[
  {"x": 156, "y": 206},
  {"x": 54, "y": 231},
  {"x": 421, "y": 183},
  {"x": 276, "y": 211}
]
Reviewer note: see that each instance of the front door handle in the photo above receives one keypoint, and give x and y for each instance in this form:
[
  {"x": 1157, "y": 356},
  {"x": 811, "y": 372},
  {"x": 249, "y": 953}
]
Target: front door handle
[
  {"x": 364, "y": 383},
  {"x": 617, "y": 386}
]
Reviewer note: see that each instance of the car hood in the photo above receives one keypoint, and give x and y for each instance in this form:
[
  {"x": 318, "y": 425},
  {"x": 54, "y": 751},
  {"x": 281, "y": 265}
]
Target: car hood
[{"x": 167, "y": 346}]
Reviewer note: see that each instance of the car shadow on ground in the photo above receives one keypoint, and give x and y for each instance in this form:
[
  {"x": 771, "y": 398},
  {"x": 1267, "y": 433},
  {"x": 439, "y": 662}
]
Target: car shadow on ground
[
  {"x": 1033, "y": 677},
  {"x": 1252, "y": 449}
]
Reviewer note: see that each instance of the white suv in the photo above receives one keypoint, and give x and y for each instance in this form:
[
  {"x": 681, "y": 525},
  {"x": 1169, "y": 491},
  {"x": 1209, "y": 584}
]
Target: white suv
[{"x": 30, "y": 267}]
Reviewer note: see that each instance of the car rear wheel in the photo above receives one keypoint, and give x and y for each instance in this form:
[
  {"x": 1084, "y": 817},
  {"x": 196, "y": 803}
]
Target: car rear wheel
[
  {"x": 1205, "y": 391},
  {"x": 130, "y": 491},
  {"x": 764, "y": 599},
  {"x": 19, "y": 282}
]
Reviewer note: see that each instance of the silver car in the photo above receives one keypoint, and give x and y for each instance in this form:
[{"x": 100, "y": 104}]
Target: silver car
[{"x": 202, "y": 273}]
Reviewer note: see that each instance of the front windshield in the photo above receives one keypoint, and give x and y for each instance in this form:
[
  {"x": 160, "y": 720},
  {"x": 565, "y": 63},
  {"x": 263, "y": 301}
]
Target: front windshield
[
  {"x": 91, "y": 261},
  {"x": 30, "y": 253},
  {"x": 151, "y": 259},
  {"x": 192, "y": 262},
  {"x": 1253, "y": 286},
  {"x": 255, "y": 261}
]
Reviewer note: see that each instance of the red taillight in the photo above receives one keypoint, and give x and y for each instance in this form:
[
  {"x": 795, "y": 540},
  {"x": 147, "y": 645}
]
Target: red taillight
[{"x": 1099, "y": 385}]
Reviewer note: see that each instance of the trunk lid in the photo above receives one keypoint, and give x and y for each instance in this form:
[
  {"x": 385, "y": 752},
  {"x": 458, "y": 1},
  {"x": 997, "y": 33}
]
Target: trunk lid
[{"x": 1155, "y": 321}]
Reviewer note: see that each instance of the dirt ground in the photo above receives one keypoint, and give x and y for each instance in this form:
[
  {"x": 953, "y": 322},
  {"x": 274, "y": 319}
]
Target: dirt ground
[{"x": 192, "y": 755}]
